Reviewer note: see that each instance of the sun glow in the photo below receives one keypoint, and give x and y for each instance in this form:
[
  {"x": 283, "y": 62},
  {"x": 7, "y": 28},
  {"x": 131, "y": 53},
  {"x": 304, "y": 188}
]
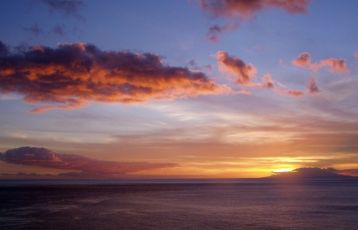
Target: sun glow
[{"x": 282, "y": 170}]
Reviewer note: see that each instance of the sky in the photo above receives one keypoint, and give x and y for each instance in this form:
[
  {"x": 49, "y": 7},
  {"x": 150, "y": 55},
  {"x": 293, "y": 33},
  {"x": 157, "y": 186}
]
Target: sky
[{"x": 177, "y": 89}]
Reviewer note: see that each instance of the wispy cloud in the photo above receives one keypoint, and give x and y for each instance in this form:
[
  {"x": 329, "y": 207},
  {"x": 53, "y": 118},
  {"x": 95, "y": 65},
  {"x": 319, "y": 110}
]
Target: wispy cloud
[
  {"x": 215, "y": 30},
  {"x": 235, "y": 10},
  {"x": 35, "y": 30},
  {"x": 73, "y": 74},
  {"x": 67, "y": 7}
]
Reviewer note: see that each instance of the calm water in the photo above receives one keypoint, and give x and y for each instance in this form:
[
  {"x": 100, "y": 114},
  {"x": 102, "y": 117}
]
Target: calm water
[{"x": 231, "y": 205}]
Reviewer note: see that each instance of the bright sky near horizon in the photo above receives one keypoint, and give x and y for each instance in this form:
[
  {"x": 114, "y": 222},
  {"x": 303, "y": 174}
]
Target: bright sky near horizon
[{"x": 182, "y": 88}]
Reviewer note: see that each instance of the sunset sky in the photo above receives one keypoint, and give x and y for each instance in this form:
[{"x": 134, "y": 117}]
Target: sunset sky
[{"x": 181, "y": 88}]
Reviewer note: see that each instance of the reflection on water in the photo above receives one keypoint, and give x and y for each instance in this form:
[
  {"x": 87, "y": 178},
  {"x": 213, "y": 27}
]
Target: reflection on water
[{"x": 324, "y": 205}]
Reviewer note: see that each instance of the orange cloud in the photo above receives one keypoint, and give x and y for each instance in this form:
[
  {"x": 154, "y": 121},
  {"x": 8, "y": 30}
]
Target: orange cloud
[
  {"x": 71, "y": 75},
  {"x": 46, "y": 158},
  {"x": 230, "y": 8},
  {"x": 294, "y": 93},
  {"x": 334, "y": 64},
  {"x": 243, "y": 72}
]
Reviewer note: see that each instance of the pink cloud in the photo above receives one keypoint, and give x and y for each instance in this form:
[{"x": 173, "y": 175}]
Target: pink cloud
[
  {"x": 232, "y": 8},
  {"x": 244, "y": 9},
  {"x": 268, "y": 83},
  {"x": 243, "y": 72},
  {"x": 334, "y": 64}
]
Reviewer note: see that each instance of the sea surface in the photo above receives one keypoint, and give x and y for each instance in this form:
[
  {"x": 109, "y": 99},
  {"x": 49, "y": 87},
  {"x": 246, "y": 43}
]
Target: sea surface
[{"x": 178, "y": 204}]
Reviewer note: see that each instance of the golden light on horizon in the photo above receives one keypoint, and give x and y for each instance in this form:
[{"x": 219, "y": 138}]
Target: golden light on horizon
[{"x": 283, "y": 170}]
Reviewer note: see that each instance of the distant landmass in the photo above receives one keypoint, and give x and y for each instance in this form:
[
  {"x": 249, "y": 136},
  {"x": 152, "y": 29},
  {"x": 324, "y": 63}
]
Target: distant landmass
[{"x": 312, "y": 173}]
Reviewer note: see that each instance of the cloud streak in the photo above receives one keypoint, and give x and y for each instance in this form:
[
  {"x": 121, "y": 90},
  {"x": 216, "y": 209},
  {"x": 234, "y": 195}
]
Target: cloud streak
[
  {"x": 335, "y": 65},
  {"x": 67, "y": 7},
  {"x": 71, "y": 75},
  {"x": 83, "y": 165},
  {"x": 244, "y": 9},
  {"x": 233, "y": 8}
]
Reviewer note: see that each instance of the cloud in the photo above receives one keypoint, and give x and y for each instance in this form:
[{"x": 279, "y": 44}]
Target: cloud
[
  {"x": 71, "y": 75},
  {"x": 243, "y": 72},
  {"x": 244, "y": 9},
  {"x": 4, "y": 50},
  {"x": 86, "y": 166},
  {"x": 68, "y": 7},
  {"x": 334, "y": 64},
  {"x": 35, "y": 29},
  {"x": 59, "y": 30},
  {"x": 268, "y": 83},
  {"x": 312, "y": 86},
  {"x": 215, "y": 30},
  {"x": 233, "y": 8}
]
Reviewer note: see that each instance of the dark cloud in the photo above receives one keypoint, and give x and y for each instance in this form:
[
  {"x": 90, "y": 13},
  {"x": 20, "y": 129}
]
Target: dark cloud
[
  {"x": 35, "y": 29},
  {"x": 312, "y": 86},
  {"x": 4, "y": 50},
  {"x": 59, "y": 30},
  {"x": 83, "y": 165},
  {"x": 68, "y": 7},
  {"x": 232, "y": 8},
  {"x": 72, "y": 74},
  {"x": 215, "y": 30},
  {"x": 335, "y": 65}
]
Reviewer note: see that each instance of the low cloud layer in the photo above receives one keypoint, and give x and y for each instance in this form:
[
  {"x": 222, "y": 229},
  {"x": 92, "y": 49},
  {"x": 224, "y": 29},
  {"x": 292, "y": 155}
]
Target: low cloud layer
[
  {"x": 81, "y": 165},
  {"x": 335, "y": 65},
  {"x": 73, "y": 74}
]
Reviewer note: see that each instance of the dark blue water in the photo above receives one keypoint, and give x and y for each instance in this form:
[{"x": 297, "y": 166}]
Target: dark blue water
[{"x": 179, "y": 205}]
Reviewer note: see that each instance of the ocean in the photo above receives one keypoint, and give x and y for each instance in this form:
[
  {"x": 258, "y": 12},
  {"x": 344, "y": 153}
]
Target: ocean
[{"x": 178, "y": 204}]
